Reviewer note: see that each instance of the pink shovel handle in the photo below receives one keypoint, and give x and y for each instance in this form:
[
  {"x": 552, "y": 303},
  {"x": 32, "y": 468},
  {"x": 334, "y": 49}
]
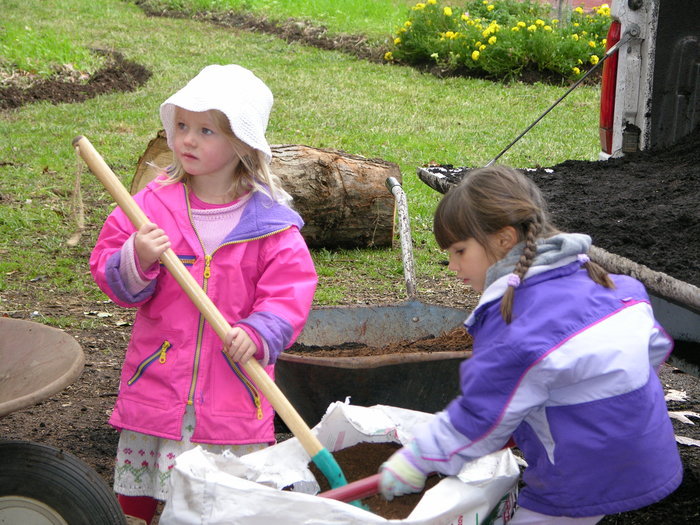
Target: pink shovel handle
[{"x": 362, "y": 488}]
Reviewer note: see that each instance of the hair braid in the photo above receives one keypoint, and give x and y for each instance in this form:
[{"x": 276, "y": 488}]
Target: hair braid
[{"x": 521, "y": 268}]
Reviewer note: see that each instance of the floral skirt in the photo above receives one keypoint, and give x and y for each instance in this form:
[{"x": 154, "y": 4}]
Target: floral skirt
[{"x": 144, "y": 462}]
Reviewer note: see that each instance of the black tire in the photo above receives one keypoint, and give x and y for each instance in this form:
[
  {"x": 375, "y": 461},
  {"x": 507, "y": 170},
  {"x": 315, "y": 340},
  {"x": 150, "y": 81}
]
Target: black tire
[{"x": 42, "y": 484}]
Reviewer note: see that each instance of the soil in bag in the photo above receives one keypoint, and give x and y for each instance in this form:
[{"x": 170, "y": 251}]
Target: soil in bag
[{"x": 363, "y": 460}]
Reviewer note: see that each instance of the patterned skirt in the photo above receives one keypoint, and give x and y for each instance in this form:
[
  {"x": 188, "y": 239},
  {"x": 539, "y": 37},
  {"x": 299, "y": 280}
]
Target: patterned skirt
[{"x": 144, "y": 462}]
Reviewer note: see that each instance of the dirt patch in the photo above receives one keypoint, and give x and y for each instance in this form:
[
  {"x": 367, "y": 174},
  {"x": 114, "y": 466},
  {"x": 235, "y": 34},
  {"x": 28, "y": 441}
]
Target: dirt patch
[
  {"x": 290, "y": 30},
  {"x": 118, "y": 75}
]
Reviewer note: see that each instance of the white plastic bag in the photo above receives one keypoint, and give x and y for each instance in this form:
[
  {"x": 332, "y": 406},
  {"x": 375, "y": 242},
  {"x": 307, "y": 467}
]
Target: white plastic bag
[{"x": 223, "y": 490}]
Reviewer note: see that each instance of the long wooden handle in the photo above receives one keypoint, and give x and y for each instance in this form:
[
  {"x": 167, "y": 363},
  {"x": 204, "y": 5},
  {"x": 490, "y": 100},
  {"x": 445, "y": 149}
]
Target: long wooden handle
[{"x": 201, "y": 300}]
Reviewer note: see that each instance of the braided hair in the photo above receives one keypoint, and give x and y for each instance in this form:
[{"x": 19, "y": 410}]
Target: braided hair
[{"x": 490, "y": 199}]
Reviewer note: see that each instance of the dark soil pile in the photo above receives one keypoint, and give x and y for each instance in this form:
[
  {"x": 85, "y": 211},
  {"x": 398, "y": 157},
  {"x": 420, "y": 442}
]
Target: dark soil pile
[{"x": 643, "y": 206}]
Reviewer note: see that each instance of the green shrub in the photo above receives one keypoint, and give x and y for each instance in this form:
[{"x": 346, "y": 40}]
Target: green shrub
[{"x": 501, "y": 39}]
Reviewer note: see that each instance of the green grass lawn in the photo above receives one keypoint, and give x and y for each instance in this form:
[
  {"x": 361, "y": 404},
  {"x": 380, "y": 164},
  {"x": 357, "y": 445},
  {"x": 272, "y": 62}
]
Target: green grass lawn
[{"x": 322, "y": 99}]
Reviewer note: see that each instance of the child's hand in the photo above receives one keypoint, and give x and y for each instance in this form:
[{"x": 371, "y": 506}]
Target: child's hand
[
  {"x": 399, "y": 476},
  {"x": 238, "y": 345},
  {"x": 150, "y": 243}
]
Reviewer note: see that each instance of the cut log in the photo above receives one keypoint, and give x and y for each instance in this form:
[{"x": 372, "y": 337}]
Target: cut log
[{"x": 341, "y": 197}]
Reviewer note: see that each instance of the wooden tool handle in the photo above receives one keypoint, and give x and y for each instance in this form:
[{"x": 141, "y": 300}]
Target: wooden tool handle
[{"x": 201, "y": 300}]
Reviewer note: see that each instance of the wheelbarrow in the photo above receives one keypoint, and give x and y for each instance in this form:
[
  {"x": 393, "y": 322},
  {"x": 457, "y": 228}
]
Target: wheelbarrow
[
  {"x": 423, "y": 381},
  {"x": 40, "y": 484}
]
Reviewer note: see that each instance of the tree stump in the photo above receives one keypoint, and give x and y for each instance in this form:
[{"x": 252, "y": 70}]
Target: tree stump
[{"x": 341, "y": 197}]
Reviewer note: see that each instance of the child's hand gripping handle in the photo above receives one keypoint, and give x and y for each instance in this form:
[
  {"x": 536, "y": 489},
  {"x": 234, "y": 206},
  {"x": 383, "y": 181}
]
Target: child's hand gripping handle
[{"x": 323, "y": 459}]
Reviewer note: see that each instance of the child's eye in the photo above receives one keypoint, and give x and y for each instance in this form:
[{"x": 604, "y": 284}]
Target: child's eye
[
  {"x": 207, "y": 131},
  {"x": 180, "y": 125}
]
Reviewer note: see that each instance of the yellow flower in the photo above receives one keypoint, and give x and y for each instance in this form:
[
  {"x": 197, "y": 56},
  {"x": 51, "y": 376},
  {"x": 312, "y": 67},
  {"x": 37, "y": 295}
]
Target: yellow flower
[
  {"x": 408, "y": 23},
  {"x": 477, "y": 45},
  {"x": 594, "y": 59},
  {"x": 539, "y": 22},
  {"x": 482, "y": 47},
  {"x": 447, "y": 11},
  {"x": 475, "y": 56},
  {"x": 465, "y": 16},
  {"x": 432, "y": 1},
  {"x": 591, "y": 43},
  {"x": 418, "y": 6},
  {"x": 470, "y": 22},
  {"x": 576, "y": 70},
  {"x": 554, "y": 21},
  {"x": 515, "y": 28},
  {"x": 576, "y": 24},
  {"x": 388, "y": 56},
  {"x": 490, "y": 7},
  {"x": 578, "y": 10},
  {"x": 487, "y": 32},
  {"x": 397, "y": 41},
  {"x": 604, "y": 41},
  {"x": 434, "y": 56},
  {"x": 450, "y": 35},
  {"x": 521, "y": 24},
  {"x": 485, "y": 2},
  {"x": 547, "y": 28},
  {"x": 574, "y": 37},
  {"x": 532, "y": 28},
  {"x": 492, "y": 40}
]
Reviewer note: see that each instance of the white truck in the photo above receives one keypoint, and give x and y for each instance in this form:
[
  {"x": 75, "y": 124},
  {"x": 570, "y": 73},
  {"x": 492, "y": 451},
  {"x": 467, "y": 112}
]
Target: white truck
[{"x": 650, "y": 93}]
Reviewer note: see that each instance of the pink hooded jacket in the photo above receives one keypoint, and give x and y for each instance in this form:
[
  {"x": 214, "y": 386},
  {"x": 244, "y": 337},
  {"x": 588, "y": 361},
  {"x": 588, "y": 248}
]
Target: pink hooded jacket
[{"x": 261, "y": 276}]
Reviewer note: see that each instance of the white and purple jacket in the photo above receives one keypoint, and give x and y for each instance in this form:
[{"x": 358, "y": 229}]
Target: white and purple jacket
[
  {"x": 573, "y": 380},
  {"x": 261, "y": 276}
]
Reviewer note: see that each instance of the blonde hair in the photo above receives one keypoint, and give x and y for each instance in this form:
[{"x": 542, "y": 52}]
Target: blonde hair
[
  {"x": 490, "y": 199},
  {"x": 251, "y": 174}
]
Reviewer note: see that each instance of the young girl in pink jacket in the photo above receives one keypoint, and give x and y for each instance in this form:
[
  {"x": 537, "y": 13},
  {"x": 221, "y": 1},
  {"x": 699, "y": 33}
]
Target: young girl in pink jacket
[{"x": 226, "y": 217}]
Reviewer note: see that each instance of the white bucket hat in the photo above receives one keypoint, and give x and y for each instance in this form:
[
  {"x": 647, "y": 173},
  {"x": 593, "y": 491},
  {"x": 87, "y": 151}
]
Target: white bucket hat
[{"x": 233, "y": 90}]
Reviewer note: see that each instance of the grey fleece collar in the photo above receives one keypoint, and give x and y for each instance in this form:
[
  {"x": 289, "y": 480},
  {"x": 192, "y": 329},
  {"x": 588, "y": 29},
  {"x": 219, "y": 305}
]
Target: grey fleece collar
[{"x": 549, "y": 251}]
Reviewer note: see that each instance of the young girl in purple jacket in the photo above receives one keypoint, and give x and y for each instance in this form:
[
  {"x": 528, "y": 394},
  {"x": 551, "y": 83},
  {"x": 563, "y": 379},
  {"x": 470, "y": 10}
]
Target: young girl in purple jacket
[
  {"x": 564, "y": 362},
  {"x": 226, "y": 217}
]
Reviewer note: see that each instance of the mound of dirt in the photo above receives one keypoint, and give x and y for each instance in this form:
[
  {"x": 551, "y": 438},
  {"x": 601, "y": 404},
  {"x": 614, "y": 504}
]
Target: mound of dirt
[{"x": 643, "y": 206}]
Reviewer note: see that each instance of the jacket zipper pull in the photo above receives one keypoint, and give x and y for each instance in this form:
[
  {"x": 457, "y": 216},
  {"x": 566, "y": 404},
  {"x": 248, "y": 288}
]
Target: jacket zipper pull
[
  {"x": 258, "y": 405},
  {"x": 163, "y": 350},
  {"x": 207, "y": 266}
]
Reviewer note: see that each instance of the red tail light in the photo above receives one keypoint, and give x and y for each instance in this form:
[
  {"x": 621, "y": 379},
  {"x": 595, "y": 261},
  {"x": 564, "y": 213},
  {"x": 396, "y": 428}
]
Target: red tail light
[{"x": 607, "y": 94}]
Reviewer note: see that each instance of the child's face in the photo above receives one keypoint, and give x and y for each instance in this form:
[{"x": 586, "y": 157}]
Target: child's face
[
  {"x": 469, "y": 260},
  {"x": 201, "y": 146}
]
